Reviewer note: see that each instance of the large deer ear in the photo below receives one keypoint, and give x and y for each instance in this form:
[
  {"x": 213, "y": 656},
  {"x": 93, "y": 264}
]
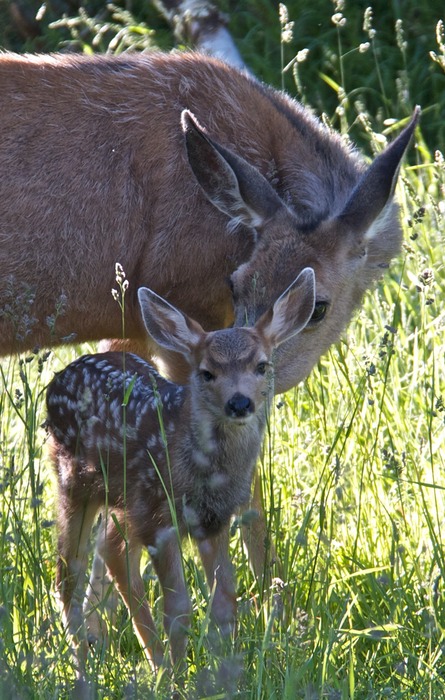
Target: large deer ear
[
  {"x": 292, "y": 311},
  {"x": 230, "y": 183},
  {"x": 375, "y": 189},
  {"x": 166, "y": 325}
]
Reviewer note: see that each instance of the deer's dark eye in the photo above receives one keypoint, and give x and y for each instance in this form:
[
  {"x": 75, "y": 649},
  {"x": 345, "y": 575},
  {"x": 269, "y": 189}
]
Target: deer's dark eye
[
  {"x": 319, "y": 311},
  {"x": 207, "y": 376},
  {"x": 261, "y": 368},
  {"x": 232, "y": 289}
]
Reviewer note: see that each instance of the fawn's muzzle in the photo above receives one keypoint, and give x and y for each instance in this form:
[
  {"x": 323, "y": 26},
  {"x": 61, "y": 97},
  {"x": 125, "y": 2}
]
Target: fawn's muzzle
[{"x": 239, "y": 406}]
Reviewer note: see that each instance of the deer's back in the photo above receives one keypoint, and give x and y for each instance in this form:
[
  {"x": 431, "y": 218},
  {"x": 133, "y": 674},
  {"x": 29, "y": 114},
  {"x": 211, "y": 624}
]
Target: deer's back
[{"x": 93, "y": 171}]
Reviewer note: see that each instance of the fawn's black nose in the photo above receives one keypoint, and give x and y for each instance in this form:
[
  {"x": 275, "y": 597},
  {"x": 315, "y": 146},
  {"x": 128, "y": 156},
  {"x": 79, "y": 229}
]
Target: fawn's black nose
[{"x": 239, "y": 406}]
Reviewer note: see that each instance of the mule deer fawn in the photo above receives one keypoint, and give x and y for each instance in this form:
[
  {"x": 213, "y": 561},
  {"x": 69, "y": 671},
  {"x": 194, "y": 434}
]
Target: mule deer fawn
[{"x": 153, "y": 453}]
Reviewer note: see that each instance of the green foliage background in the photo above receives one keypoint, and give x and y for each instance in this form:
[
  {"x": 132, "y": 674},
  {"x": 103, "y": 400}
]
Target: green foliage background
[{"x": 388, "y": 79}]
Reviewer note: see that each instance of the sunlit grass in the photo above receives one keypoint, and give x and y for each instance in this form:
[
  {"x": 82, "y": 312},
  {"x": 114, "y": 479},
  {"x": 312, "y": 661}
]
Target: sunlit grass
[{"x": 353, "y": 477}]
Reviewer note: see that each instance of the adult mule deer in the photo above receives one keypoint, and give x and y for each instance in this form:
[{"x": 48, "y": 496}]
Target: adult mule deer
[
  {"x": 152, "y": 453},
  {"x": 95, "y": 169}
]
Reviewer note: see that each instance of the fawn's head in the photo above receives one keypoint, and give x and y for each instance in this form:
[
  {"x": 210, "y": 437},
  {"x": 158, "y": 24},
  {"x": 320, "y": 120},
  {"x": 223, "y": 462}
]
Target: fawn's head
[{"x": 231, "y": 369}]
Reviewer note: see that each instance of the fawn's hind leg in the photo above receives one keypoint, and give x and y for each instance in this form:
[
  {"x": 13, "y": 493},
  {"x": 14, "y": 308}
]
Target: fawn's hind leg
[
  {"x": 123, "y": 563},
  {"x": 101, "y": 598},
  {"x": 74, "y": 526}
]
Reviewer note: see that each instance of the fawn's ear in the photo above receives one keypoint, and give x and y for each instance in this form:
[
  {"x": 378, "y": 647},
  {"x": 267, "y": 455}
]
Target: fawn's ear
[
  {"x": 230, "y": 183},
  {"x": 292, "y": 310},
  {"x": 166, "y": 325}
]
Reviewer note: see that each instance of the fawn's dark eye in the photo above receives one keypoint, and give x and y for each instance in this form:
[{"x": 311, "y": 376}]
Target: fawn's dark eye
[
  {"x": 319, "y": 311},
  {"x": 207, "y": 376},
  {"x": 261, "y": 368}
]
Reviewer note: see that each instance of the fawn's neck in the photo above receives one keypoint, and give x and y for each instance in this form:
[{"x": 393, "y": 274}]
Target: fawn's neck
[{"x": 219, "y": 458}]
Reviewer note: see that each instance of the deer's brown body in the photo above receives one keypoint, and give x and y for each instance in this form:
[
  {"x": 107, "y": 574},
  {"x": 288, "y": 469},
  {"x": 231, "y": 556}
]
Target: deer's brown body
[
  {"x": 95, "y": 169},
  {"x": 154, "y": 455}
]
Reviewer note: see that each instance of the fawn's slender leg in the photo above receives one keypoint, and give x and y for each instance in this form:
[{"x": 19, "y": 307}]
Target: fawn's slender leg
[
  {"x": 123, "y": 564},
  {"x": 214, "y": 554},
  {"x": 260, "y": 551},
  {"x": 75, "y": 522},
  {"x": 101, "y": 598},
  {"x": 167, "y": 560}
]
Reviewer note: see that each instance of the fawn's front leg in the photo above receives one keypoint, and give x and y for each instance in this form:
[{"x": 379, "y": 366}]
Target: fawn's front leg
[
  {"x": 260, "y": 550},
  {"x": 215, "y": 557},
  {"x": 214, "y": 554},
  {"x": 167, "y": 560}
]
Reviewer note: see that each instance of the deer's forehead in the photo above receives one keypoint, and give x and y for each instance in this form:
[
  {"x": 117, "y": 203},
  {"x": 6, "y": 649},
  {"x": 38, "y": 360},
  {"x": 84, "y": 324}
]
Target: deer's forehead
[
  {"x": 276, "y": 264},
  {"x": 273, "y": 262}
]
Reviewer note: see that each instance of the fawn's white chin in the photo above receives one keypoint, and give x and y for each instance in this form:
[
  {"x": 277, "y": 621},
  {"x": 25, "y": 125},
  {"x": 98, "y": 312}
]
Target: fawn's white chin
[{"x": 240, "y": 420}]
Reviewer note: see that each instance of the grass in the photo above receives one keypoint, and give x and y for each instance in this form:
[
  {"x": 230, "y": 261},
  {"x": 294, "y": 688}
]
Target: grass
[{"x": 353, "y": 475}]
